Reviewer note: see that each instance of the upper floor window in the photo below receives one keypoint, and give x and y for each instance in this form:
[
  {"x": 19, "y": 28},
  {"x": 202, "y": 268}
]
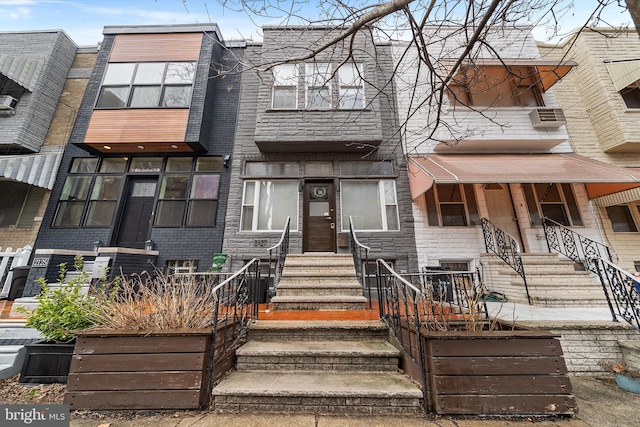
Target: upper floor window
[
  {"x": 493, "y": 86},
  {"x": 631, "y": 95},
  {"x": 11, "y": 93},
  {"x": 285, "y": 86},
  {"x": 147, "y": 85},
  {"x": 319, "y": 84},
  {"x": 351, "y": 87},
  {"x": 318, "y": 80}
]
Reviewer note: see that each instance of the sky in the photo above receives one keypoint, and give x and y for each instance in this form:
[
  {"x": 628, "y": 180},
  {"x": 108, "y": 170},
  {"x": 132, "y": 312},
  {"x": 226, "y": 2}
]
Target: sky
[{"x": 83, "y": 20}]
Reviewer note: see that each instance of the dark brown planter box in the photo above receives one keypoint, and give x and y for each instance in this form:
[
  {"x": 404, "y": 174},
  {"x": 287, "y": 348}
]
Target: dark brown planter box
[
  {"x": 499, "y": 372},
  {"x": 136, "y": 370},
  {"x": 46, "y": 363}
]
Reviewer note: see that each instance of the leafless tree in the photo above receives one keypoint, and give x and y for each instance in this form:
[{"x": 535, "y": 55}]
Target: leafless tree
[{"x": 422, "y": 28}]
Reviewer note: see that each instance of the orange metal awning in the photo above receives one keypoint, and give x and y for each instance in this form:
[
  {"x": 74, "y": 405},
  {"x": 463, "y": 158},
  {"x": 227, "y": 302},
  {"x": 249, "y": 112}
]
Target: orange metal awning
[{"x": 514, "y": 168}]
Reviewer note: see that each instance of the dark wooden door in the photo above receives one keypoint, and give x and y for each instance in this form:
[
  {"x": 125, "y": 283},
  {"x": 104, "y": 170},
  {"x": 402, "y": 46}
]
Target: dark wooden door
[
  {"x": 319, "y": 227},
  {"x": 136, "y": 219}
]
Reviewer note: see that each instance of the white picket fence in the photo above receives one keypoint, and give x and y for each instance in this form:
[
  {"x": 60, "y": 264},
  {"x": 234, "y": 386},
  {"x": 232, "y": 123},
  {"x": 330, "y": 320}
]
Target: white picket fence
[{"x": 8, "y": 260}]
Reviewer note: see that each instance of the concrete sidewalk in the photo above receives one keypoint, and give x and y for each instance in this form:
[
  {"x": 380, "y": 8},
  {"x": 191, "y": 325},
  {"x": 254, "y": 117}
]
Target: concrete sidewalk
[{"x": 600, "y": 404}]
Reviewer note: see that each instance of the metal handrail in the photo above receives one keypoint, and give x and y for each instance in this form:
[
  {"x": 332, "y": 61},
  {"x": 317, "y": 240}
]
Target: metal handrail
[
  {"x": 278, "y": 254},
  {"x": 506, "y": 247},
  {"x": 360, "y": 262},
  {"x": 573, "y": 245},
  {"x": 621, "y": 289},
  {"x": 236, "y": 305},
  {"x": 399, "y": 308}
]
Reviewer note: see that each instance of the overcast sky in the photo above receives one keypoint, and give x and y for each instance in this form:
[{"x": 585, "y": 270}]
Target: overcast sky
[{"x": 84, "y": 20}]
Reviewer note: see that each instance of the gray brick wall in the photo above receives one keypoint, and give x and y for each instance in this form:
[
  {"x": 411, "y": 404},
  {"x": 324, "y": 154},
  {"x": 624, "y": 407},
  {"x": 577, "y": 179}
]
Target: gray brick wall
[
  {"x": 28, "y": 128},
  {"x": 398, "y": 246}
]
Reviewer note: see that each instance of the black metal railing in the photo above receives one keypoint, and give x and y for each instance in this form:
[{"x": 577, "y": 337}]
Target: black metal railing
[
  {"x": 506, "y": 247},
  {"x": 277, "y": 256},
  {"x": 400, "y": 303},
  {"x": 579, "y": 248},
  {"x": 621, "y": 289},
  {"x": 360, "y": 254},
  {"x": 236, "y": 305}
]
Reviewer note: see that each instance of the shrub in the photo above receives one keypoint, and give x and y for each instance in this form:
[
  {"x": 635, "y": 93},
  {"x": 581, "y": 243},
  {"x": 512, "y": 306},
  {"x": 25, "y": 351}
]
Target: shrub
[{"x": 64, "y": 309}]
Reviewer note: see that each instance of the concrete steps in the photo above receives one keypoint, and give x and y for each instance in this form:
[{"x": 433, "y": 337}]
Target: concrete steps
[
  {"x": 318, "y": 367},
  {"x": 13, "y": 336},
  {"x": 552, "y": 281},
  {"x": 318, "y": 282}
]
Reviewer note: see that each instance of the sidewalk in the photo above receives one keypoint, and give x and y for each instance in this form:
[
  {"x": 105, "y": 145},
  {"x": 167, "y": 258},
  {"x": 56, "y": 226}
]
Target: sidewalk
[{"x": 600, "y": 404}]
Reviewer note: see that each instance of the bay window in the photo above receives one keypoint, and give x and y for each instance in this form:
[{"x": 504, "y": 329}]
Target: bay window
[
  {"x": 351, "y": 87},
  {"x": 285, "y": 86},
  {"x": 318, "y": 86},
  {"x": 147, "y": 85}
]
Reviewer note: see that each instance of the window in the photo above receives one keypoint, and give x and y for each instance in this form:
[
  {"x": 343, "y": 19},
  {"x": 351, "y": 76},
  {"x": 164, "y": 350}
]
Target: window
[
  {"x": 271, "y": 169},
  {"x": 554, "y": 201},
  {"x": 372, "y": 204},
  {"x": 366, "y": 168},
  {"x": 622, "y": 219},
  {"x": 319, "y": 82},
  {"x": 631, "y": 95},
  {"x": 267, "y": 204},
  {"x": 187, "y": 197},
  {"x": 495, "y": 86},
  {"x": 19, "y": 204},
  {"x": 285, "y": 86},
  {"x": 452, "y": 205},
  {"x": 351, "y": 87},
  {"x": 11, "y": 88},
  {"x": 103, "y": 200},
  {"x": 317, "y": 78},
  {"x": 147, "y": 85}
]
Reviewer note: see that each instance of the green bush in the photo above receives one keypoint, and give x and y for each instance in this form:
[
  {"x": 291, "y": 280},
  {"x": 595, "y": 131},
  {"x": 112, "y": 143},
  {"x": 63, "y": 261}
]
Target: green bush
[{"x": 64, "y": 309}]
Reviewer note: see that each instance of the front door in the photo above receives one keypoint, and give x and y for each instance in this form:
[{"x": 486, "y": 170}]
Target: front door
[
  {"x": 137, "y": 213},
  {"x": 319, "y": 227},
  {"x": 500, "y": 210}
]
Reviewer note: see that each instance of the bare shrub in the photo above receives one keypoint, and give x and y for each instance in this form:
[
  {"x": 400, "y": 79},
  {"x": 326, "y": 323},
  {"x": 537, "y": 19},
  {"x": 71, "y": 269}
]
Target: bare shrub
[{"x": 144, "y": 302}]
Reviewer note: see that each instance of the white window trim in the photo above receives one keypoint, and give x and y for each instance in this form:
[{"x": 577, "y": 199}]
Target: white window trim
[
  {"x": 310, "y": 77},
  {"x": 360, "y": 87},
  {"x": 383, "y": 206},
  {"x": 296, "y": 76},
  {"x": 256, "y": 202}
]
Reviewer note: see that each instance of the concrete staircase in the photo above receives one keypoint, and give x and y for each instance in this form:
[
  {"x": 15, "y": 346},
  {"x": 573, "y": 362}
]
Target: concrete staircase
[
  {"x": 553, "y": 281},
  {"x": 319, "y": 282},
  {"x": 13, "y": 337},
  {"x": 318, "y": 367}
]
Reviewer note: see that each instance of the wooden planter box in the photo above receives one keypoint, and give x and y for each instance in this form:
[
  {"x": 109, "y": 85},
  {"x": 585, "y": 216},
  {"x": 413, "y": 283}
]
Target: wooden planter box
[
  {"x": 502, "y": 372},
  {"x": 134, "y": 370},
  {"x": 46, "y": 363}
]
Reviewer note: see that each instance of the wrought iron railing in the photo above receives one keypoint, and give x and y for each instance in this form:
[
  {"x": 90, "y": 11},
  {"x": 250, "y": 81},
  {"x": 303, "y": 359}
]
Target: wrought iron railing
[
  {"x": 506, "y": 247},
  {"x": 277, "y": 256},
  {"x": 360, "y": 254},
  {"x": 236, "y": 305},
  {"x": 621, "y": 289},
  {"x": 573, "y": 245},
  {"x": 400, "y": 303}
]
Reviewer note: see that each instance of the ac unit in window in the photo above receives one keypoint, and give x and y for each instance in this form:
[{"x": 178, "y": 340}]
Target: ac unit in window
[
  {"x": 8, "y": 102},
  {"x": 547, "y": 118}
]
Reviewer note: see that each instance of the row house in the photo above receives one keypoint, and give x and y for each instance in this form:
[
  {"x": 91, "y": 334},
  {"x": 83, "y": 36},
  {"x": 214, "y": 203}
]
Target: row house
[
  {"x": 493, "y": 159},
  {"x": 145, "y": 175},
  {"x": 316, "y": 143},
  {"x": 601, "y": 101},
  {"x": 43, "y": 75}
]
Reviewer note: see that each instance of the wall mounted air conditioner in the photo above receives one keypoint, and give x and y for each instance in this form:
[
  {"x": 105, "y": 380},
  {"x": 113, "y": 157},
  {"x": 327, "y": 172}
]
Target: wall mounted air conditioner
[
  {"x": 8, "y": 102},
  {"x": 548, "y": 118}
]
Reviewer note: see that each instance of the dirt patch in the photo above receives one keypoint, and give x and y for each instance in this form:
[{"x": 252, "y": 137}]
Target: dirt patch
[{"x": 12, "y": 392}]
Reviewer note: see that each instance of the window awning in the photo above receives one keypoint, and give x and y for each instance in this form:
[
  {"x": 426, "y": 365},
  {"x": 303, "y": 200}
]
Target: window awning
[
  {"x": 23, "y": 71},
  {"x": 548, "y": 72},
  {"x": 623, "y": 73},
  {"x": 34, "y": 169},
  {"x": 512, "y": 169}
]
